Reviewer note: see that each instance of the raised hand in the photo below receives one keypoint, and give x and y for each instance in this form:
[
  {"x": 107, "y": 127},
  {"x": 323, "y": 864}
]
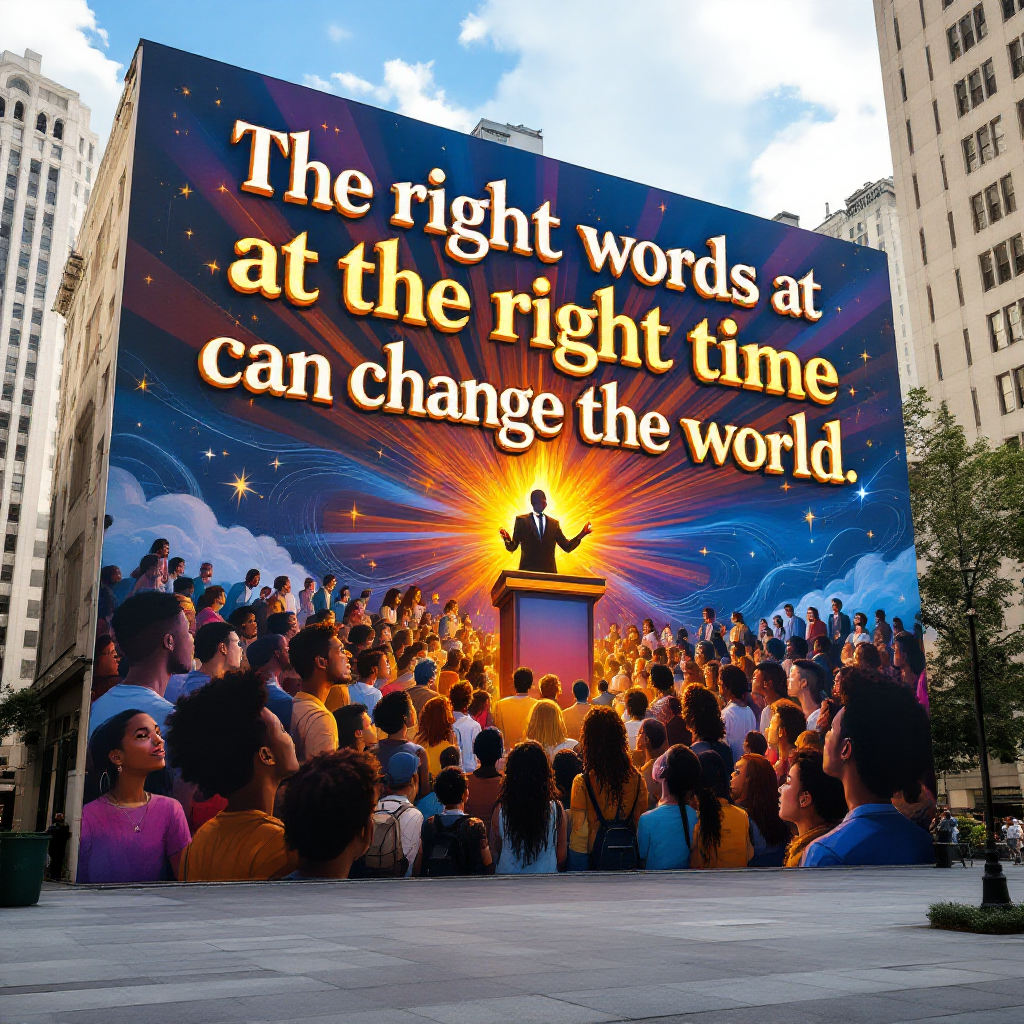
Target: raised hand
[
  {"x": 588, "y": 529},
  {"x": 504, "y": 536}
]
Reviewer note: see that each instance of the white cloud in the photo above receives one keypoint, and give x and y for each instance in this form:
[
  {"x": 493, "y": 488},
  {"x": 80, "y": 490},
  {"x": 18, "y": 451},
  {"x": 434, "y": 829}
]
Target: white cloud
[
  {"x": 193, "y": 531},
  {"x": 338, "y": 34},
  {"x": 472, "y": 30},
  {"x": 66, "y": 34},
  {"x": 676, "y": 93},
  {"x": 408, "y": 88},
  {"x": 872, "y": 583}
]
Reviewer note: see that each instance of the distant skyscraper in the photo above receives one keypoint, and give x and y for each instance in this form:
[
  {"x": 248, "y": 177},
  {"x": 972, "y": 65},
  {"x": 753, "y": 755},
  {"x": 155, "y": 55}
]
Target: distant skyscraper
[
  {"x": 47, "y": 161},
  {"x": 871, "y": 218}
]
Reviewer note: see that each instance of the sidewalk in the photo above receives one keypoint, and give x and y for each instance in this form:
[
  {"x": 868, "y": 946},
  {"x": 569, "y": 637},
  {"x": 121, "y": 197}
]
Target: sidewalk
[{"x": 846, "y": 945}]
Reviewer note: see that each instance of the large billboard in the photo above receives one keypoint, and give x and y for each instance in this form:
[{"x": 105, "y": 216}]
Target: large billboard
[{"x": 354, "y": 344}]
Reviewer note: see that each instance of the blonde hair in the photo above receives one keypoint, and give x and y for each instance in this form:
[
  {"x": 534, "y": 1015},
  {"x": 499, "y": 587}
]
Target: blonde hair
[
  {"x": 809, "y": 739},
  {"x": 545, "y": 724}
]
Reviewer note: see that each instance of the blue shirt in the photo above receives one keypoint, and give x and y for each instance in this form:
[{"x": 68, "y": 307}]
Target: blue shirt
[
  {"x": 660, "y": 837},
  {"x": 871, "y": 834},
  {"x": 360, "y": 693},
  {"x": 280, "y": 703},
  {"x": 429, "y": 806},
  {"x": 792, "y": 627},
  {"x": 129, "y": 698},
  {"x": 322, "y": 600},
  {"x": 183, "y": 685}
]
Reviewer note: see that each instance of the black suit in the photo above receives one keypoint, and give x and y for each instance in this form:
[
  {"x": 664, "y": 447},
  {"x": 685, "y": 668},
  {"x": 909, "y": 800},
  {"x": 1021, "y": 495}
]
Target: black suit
[
  {"x": 538, "y": 552},
  {"x": 839, "y": 628}
]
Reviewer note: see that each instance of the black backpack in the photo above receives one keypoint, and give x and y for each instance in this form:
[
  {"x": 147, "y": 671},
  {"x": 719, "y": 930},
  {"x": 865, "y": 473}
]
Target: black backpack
[
  {"x": 444, "y": 847},
  {"x": 615, "y": 846}
]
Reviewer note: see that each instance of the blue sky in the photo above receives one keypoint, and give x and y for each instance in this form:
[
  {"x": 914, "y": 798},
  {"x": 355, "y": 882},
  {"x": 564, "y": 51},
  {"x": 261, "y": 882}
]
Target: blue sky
[{"x": 761, "y": 106}]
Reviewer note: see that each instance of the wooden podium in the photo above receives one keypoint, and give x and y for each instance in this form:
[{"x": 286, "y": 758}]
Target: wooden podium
[{"x": 547, "y": 624}]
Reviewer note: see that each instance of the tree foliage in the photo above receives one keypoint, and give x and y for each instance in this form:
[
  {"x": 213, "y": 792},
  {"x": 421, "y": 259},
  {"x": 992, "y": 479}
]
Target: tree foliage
[
  {"x": 968, "y": 509},
  {"x": 20, "y": 711}
]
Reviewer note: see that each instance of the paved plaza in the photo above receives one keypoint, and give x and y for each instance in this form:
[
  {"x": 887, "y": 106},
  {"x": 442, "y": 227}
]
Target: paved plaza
[{"x": 756, "y": 946}]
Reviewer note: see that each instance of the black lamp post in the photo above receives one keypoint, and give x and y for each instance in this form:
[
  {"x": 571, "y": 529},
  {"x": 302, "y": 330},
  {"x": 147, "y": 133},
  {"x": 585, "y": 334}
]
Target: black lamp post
[{"x": 994, "y": 890}]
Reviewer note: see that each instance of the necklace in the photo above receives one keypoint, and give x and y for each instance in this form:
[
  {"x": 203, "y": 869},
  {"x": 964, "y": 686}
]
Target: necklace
[{"x": 136, "y": 825}]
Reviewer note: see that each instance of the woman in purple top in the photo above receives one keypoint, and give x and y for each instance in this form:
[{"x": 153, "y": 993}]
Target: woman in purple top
[{"x": 129, "y": 835}]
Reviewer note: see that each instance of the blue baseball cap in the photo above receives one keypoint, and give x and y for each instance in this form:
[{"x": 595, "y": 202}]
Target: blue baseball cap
[{"x": 402, "y": 767}]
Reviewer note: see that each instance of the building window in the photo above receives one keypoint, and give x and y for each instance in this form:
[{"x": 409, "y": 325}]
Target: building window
[
  {"x": 959, "y": 286},
  {"x": 996, "y": 331},
  {"x": 931, "y": 302},
  {"x": 1009, "y": 198},
  {"x": 988, "y": 275},
  {"x": 1007, "y": 399},
  {"x": 978, "y": 212},
  {"x": 963, "y": 100},
  {"x": 971, "y": 150},
  {"x": 938, "y": 361},
  {"x": 924, "y": 247},
  {"x": 928, "y": 59},
  {"x": 1014, "y": 328},
  {"x": 935, "y": 111},
  {"x": 988, "y": 71},
  {"x": 896, "y": 31},
  {"x": 942, "y": 167},
  {"x": 903, "y": 85},
  {"x": 993, "y": 204},
  {"x": 952, "y": 229},
  {"x": 917, "y": 191},
  {"x": 953, "y": 42},
  {"x": 910, "y": 136},
  {"x": 967, "y": 347},
  {"x": 976, "y": 88},
  {"x": 19, "y": 110},
  {"x": 1016, "y": 58},
  {"x": 1001, "y": 254},
  {"x": 1010, "y": 8},
  {"x": 977, "y": 409}
]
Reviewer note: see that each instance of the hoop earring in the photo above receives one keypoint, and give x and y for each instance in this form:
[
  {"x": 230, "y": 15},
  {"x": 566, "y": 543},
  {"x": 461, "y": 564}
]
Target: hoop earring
[{"x": 104, "y": 783}]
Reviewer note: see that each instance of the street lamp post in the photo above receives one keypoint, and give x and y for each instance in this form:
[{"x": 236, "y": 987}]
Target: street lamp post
[{"x": 994, "y": 890}]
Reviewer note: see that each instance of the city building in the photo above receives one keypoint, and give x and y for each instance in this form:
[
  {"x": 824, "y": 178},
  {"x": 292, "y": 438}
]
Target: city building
[
  {"x": 48, "y": 156},
  {"x": 517, "y": 136},
  {"x": 871, "y": 218},
  {"x": 953, "y": 75}
]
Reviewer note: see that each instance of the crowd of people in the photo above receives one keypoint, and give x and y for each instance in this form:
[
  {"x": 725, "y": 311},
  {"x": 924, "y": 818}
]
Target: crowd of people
[{"x": 249, "y": 732}]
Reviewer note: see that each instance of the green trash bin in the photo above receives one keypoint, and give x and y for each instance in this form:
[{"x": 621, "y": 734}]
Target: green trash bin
[{"x": 22, "y": 866}]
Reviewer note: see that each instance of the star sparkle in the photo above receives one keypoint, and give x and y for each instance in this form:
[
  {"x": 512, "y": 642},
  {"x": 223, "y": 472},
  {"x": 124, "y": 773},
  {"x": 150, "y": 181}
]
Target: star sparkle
[
  {"x": 148, "y": 280},
  {"x": 241, "y": 486},
  {"x": 809, "y": 519},
  {"x": 185, "y": 191},
  {"x": 276, "y": 464},
  {"x": 209, "y": 454},
  {"x": 213, "y": 265}
]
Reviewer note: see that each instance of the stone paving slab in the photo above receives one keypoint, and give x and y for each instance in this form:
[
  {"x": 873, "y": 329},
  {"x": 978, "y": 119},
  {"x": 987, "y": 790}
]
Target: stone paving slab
[{"x": 728, "y": 947}]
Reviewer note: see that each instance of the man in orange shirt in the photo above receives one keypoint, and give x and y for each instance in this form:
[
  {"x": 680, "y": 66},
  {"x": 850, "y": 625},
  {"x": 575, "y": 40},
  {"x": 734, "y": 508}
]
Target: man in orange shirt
[
  {"x": 573, "y": 716},
  {"x": 511, "y": 713},
  {"x": 226, "y": 741}
]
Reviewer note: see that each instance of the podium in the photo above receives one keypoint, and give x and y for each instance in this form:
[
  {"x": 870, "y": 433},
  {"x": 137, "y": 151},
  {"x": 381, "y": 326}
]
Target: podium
[{"x": 547, "y": 624}]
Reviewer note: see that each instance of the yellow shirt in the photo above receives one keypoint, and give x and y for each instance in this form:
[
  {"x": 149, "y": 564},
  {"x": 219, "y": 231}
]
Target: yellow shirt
[
  {"x": 584, "y": 814},
  {"x": 313, "y": 727},
  {"x": 510, "y": 716},
  {"x": 736, "y": 848},
  {"x": 573, "y": 717},
  {"x": 235, "y": 846},
  {"x": 434, "y": 756},
  {"x": 337, "y": 697}
]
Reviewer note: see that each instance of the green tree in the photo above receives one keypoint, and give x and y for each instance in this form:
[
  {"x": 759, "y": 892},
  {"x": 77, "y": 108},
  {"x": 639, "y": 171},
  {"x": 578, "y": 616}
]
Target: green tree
[
  {"x": 968, "y": 509},
  {"x": 20, "y": 711}
]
